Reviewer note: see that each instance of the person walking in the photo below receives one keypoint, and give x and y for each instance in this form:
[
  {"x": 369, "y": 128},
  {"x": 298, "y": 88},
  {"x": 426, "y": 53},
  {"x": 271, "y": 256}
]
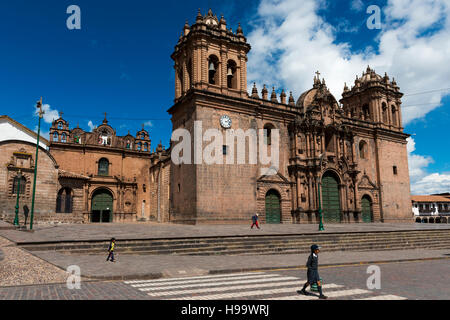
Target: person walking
[
  {"x": 313, "y": 271},
  {"x": 25, "y": 213},
  {"x": 255, "y": 221},
  {"x": 112, "y": 244}
]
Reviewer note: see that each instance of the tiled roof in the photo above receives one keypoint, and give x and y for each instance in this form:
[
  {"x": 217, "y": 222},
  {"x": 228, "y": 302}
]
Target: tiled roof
[
  {"x": 67, "y": 174},
  {"x": 430, "y": 199}
]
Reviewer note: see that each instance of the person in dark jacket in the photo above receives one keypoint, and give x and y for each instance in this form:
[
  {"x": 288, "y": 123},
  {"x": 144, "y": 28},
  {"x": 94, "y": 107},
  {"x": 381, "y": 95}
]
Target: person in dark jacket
[
  {"x": 313, "y": 271},
  {"x": 112, "y": 244}
]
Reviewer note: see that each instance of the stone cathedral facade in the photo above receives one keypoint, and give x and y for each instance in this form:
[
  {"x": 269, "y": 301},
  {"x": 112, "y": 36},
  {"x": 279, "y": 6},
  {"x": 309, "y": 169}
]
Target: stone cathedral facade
[{"x": 351, "y": 153}]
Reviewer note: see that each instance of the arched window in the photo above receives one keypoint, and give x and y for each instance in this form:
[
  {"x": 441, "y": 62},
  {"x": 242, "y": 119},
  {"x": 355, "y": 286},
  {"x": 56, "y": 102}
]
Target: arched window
[
  {"x": 363, "y": 150},
  {"x": 60, "y": 125},
  {"x": 213, "y": 70},
  {"x": 142, "y": 136},
  {"x": 55, "y": 136},
  {"x": 180, "y": 80},
  {"x": 366, "y": 112},
  {"x": 384, "y": 112},
  {"x": 394, "y": 115},
  {"x": 128, "y": 144},
  {"x": 268, "y": 133},
  {"x": 231, "y": 74},
  {"x": 139, "y": 146},
  {"x": 23, "y": 185},
  {"x": 103, "y": 167},
  {"x": 63, "y": 137},
  {"x": 189, "y": 70},
  {"x": 146, "y": 147},
  {"x": 64, "y": 201}
]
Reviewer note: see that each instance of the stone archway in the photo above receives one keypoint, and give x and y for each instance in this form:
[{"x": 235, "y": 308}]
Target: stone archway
[
  {"x": 273, "y": 206},
  {"x": 366, "y": 209},
  {"x": 102, "y": 206},
  {"x": 331, "y": 206}
]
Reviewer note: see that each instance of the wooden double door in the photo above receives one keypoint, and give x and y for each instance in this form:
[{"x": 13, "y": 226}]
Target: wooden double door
[
  {"x": 102, "y": 206},
  {"x": 273, "y": 207},
  {"x": 366, "y": 209},
  {"x": 331, "y": 206}
]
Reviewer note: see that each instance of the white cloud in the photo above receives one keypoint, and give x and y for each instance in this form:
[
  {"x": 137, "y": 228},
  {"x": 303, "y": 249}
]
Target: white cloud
[
  {"x": 432, "y": 184},
  {"x": 49, "y": 114},
  {"x": 148, "y": 124},
  {"x": 347, "y": 27},
  {"x": 290, "y": 42},
  {"x": 91, "y": 125},
  {"x": 357, "y": 5},
  {"x": 423, "y": 182}
]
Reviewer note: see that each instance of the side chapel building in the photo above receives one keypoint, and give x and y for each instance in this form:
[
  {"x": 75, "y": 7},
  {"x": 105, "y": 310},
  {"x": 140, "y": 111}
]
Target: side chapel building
[{"x": 353, "y": 151}]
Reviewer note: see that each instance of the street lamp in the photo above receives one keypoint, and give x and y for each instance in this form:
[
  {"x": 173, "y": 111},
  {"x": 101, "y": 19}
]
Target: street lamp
[
  {"x": 41, "y": 113},
  {"x": 19, "y": 178},
  {"x": 321, "y": 228}
]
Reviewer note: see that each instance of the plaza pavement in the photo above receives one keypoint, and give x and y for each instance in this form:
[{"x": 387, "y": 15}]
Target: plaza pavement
[
  {"x": 129, "y": 231},
  {"x": 133, "y": 266}
]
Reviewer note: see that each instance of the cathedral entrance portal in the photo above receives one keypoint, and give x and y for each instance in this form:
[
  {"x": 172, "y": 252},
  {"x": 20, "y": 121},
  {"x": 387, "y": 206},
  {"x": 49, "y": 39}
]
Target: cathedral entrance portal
[
  {"x": 330, "y": 198},
  {"x": 366, "y": 209},
  {"x": 102, "y": 206},
  {"x": 273, "y": 207}
]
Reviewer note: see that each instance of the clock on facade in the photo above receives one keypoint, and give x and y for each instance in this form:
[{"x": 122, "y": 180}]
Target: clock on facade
[{"x": 225, "y": 122}]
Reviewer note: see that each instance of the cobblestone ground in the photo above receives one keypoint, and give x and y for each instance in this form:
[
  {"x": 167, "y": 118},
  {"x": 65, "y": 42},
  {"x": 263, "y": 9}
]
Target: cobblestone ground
[
  {"x": 422, "y": 280},
  {"x": 87, "y": 291},
  {"x": 19, "y": 267}
]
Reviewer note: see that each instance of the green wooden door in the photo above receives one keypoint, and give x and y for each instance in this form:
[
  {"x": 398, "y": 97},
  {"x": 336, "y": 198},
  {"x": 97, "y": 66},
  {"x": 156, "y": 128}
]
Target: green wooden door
[
  {"x": 366, "y": 212},
  {"x": 102, "y": 202},
  {"x": 331, "y": 207},
  {"x": 273, "y": 208}
]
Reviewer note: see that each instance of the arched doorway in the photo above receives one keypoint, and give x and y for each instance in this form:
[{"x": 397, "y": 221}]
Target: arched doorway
[
  {"x": 331, "y": 206},
  {"x": 273, "y": 207},
  {"x": 102, "y": 206},
  {"x": 64, "y": 202},
  {"x": 366, "y": 209}
]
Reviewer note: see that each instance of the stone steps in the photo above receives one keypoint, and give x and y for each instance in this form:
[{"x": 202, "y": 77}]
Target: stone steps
[
  {"x": 268, "y": 247},
  {"x": 329, "y": 249},
  {"x": 259, "y": 244}
]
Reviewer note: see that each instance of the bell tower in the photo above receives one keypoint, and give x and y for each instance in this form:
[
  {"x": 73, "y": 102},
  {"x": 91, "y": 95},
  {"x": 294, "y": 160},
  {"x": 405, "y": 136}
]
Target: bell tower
[
  {"x": 375, "y": 99},
  {"x": 209, "y": 56}
]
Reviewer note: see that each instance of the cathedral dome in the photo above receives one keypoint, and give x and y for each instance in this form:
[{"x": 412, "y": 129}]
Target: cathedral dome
[
  {"x": 306, "y": 98},
  {"x": 313, "y": 97},
  {"x": 370, "y": 75}
]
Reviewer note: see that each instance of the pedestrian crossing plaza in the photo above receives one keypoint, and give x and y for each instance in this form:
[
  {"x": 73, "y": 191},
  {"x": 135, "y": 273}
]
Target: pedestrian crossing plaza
[{"x": 251, "y": 285}]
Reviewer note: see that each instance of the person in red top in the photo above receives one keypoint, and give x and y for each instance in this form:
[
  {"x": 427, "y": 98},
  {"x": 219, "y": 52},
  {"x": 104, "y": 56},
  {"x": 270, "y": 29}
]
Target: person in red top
[{"x": 255, "y": 221}]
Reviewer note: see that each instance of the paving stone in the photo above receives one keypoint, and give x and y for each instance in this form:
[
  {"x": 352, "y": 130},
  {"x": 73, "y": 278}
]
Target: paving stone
[{"x": 79, "y": 232}]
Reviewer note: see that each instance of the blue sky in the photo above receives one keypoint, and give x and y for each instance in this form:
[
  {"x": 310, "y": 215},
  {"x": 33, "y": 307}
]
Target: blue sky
[{"x": 119, "y": 62}]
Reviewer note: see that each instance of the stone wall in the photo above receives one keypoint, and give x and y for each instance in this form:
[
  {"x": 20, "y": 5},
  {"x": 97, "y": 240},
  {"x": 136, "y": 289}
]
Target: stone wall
[{"x": 21, "y": 155}]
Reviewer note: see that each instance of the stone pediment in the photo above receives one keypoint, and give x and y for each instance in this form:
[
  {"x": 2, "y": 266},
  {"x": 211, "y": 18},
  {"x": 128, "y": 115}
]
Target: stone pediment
[
  {"x": 276, "y": 178},
  {"x": 365, "y": 183}
]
